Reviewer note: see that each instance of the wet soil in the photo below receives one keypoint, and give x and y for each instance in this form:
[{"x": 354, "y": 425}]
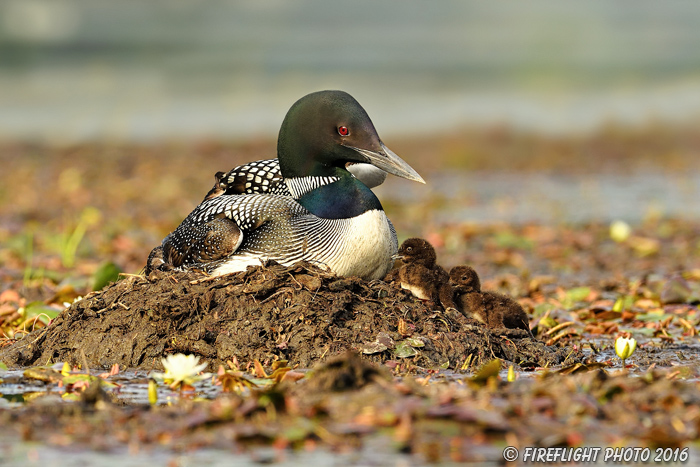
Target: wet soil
[
  {"x": 576, "y": 283},
  {"x": 301, "y": 314},
  {"x": 347, "y": 403}
]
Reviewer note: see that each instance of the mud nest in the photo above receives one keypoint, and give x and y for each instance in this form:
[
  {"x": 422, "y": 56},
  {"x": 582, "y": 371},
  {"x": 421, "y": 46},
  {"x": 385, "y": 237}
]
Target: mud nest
[{"x": 300, "y": 313}]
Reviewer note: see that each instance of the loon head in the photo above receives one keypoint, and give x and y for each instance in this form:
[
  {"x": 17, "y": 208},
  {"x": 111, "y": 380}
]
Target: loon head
[{"x": 329, "y": 130}]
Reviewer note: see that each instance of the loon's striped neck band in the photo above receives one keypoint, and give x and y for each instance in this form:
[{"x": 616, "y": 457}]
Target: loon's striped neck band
[{"x": 299, "y": 186}]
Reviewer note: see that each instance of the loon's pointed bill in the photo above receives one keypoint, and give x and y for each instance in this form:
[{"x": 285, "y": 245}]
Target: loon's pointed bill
[{"x": 388, "y": 161}]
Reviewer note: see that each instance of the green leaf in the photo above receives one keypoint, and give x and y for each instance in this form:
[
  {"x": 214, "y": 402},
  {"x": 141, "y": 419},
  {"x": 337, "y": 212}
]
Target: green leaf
[
  {"x": 3, "y": 367},
  {"x": 623, "y": 303},
  {"x": 510, "y": 240},
  {"x": 415, "y": 342},
  {"x": 106, "y": 273},
  {"x": 575, "y": 295},
  {"x": 654, "y": 315},
  {"x": 298, "y": 433},
  {"x": 541, "y": 309},
  {"x": 489, "y": 370},
  {"x": 262, "y": 382},
  {"x": 648, "y": 332},
  {"x": 72, "y": 379},
  {"x": 548, "y": 322},
  {"x": 40, "y": 309},
  {"x": 404, "y": 350},
  {"x": 43, "y": 373}
]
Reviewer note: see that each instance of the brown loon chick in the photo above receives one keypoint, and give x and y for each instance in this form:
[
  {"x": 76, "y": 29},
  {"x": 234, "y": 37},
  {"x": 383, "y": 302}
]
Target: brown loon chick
[
  {"x": 220, "y": 186},
  {"x": 470, "y": 301},
  {"x": 491, "y": 308},
  {"x": 421, "y": 275}
]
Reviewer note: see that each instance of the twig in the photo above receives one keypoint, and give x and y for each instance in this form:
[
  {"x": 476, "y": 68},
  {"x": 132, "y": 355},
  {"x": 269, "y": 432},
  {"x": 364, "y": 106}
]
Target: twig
[
  {"x": 295, "y": 280},
  {"x": 281, "y": 291},
  {"x": 558, "y": 328},
  {"x": 206, "y": 279},
  {"x": 564, "y": 333}
]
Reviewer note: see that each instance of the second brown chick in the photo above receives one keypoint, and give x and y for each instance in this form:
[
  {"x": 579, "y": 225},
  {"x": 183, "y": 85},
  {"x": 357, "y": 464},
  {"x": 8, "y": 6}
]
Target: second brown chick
[
  {"x": 469, "y": 299},
  {"x": 491, "y": 308}
]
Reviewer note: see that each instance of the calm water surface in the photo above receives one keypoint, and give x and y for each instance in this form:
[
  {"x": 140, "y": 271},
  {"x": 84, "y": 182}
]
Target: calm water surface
[{"x": 531, "y": 197}]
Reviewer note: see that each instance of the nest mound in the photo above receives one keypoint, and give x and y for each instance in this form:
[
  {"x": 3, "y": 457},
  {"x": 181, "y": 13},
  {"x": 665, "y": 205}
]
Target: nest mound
[{"x": 299, "y": 313}]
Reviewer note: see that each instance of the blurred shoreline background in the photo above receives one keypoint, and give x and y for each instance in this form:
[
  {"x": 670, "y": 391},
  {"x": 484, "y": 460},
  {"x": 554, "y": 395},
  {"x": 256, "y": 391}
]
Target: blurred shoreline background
[
  {"x": 114, "y": 116},
  {"x": 83, "y": 70}
]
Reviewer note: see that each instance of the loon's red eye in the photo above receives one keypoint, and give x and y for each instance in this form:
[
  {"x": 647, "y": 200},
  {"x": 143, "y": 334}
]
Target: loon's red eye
[{"x": 343, "y": 130}]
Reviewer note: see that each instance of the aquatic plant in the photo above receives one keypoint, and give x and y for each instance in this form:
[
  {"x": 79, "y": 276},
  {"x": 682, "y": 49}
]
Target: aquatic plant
[
  {"x": 625, "y": 347},
  {"x": 181, "y": 371}
]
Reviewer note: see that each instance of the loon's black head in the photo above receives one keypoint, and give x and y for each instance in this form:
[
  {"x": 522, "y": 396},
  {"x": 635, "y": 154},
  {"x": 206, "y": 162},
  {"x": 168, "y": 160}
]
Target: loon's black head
[{"x": 325, "y": 130}]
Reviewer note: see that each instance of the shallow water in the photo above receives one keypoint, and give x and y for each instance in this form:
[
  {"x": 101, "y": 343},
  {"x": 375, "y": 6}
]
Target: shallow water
[
  {"x": 17, "y": 453},
  {"x": 378, "y": 449},
  {"x": 134, "y": 384},
  {"x": 133, "y": 389},
  {"x": 486, "y": 197}
]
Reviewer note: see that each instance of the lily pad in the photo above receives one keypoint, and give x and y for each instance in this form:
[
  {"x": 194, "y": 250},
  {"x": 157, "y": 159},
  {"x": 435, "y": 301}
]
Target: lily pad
[
  {"x": 654, "y": 315},
  {"x": 87, "y": 380},
  {"x": 415, "y": 342},
  {"x": 45, "y": 374},
  {"x": 404, "y": 350},
  {"x": 575, "y": 295}
]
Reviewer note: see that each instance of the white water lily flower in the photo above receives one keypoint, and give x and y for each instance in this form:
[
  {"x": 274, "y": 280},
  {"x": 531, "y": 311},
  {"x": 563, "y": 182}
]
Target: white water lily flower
[
  {"x": 625, "y": 347},
  {"x": 181, "y": 369}
]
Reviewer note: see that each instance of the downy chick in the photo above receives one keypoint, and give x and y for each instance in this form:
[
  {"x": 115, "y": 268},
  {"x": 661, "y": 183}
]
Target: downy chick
[
  {"x": 421, "y": 275},
  {"x": 491, "y": 308}
]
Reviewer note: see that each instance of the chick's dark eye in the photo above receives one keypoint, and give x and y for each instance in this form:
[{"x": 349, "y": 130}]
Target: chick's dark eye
[
  {"x": 409, "y": 249},
  {"x": 343, "y": 131}
]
